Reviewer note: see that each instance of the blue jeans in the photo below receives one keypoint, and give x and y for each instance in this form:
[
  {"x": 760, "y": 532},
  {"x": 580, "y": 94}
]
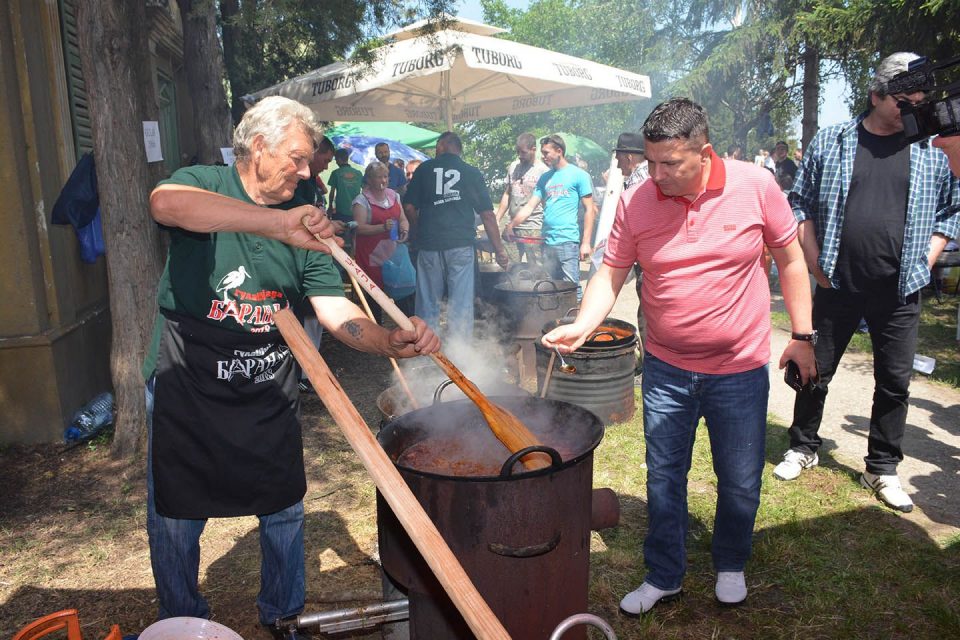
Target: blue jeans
[
  {"x": 452, "y": 273},
  {"x": 175, "y": 555},
  {"x": 735, "y": 409},
  {"x": 562, "y": 262}
]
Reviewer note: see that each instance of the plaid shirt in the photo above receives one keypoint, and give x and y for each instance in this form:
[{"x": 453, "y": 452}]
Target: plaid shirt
[{"x": 823, "y": 181}]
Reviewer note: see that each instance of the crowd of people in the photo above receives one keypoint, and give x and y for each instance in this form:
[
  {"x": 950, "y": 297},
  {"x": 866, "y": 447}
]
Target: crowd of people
[{"x": 861, "y": 210}]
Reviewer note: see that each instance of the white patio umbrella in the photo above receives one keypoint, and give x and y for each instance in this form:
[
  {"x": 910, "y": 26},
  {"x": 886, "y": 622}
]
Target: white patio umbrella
[{"x": 457, "y": 74}]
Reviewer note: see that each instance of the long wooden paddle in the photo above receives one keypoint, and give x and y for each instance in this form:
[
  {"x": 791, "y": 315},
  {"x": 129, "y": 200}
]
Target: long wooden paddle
[
  {"x": 445, "y": 566},
  {"x": 505, "y": 426},
  {"x": 393, "y": 361}
]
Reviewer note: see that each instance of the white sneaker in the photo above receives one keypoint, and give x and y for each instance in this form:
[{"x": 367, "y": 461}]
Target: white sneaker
[
  {"x": 646, "y": 597},
  {"x": 794, "y": 462},
  {"x": 888, "y": 490},
  {"x": 731, "y": 588}
]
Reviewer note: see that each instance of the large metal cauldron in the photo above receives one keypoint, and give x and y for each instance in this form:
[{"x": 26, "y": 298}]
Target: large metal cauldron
[
  {"x": 522, "y": 537},
  {"x": 527, "y": 301},
  {"x": 604, "y": 371}
]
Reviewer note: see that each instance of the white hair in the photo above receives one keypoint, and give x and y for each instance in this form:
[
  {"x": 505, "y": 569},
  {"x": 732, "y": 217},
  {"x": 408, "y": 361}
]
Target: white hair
[
  {"x": 271, "y": 117},
  {"x": 888, "y": 69}
]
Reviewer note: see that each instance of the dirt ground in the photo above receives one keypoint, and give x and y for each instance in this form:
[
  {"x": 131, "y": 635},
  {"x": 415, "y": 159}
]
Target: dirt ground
[{"x": 73, "y": 522}]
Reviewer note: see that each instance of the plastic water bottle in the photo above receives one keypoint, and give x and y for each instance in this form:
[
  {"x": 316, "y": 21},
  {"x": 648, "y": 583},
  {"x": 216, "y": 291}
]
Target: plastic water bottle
[{"x": 90, "y": 419}]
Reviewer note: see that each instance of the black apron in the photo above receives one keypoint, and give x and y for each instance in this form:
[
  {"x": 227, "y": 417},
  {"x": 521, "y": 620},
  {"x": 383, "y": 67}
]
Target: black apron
[{"x": 226, "y": 439}]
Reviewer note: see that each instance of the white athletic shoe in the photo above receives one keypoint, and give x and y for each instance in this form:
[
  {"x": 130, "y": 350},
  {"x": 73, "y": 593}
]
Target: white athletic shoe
[
  {"x": 794, "y": 462},
  {"x": 888, "y": 490},
  {"x": 731, "y": 588},
  {"x": 646, "y": 597}
]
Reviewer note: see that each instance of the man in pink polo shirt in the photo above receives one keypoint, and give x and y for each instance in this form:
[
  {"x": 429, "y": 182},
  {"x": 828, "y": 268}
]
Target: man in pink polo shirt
[{"x": 697, "y": 228}]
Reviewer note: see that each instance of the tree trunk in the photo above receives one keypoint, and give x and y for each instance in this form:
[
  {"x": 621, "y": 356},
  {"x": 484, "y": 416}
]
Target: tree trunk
[
  {"x": 235, "y": 56},
  {"x": 811, "y": 93},
  {"x": 115, "y": 57},
  {"x": 204, "y": 65}
]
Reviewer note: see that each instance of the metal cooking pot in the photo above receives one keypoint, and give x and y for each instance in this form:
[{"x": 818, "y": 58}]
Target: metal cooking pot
[
  {"x": 611, "y": 334},
  {"x": 527, "y": 303},
  {"x": 522, "y": 536}
]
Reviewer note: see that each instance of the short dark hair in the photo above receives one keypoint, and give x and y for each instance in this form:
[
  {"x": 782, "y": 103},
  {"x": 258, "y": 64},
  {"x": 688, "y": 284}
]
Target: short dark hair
[
  {"x": 781, "y": 142},
  {"x": 380, "y": 144},
  {"x": 556, "y": 141},
  {"x": 325, "y": 145},
  {"x": 451, "y": 140},
  {"x": 677, "y": 118},
  {"x": 526, "y": 140},
  {"x": 342, "y": 155}
]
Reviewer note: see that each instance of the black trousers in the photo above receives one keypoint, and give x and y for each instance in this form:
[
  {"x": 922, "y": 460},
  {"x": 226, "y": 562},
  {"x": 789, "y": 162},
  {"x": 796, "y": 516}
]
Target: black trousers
[{"x": 893, "y": 330}]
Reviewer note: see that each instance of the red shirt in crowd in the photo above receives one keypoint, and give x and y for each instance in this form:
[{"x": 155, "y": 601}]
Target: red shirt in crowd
[{"x": 705, "y": 294}]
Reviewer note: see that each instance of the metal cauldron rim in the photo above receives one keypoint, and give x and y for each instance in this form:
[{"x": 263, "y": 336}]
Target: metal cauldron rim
[
  {"x": 394, "y": 425},
  {"x": 595, "y": 346}
]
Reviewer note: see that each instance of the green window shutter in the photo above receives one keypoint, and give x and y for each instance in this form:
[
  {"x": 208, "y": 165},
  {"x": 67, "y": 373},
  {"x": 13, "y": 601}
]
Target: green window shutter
[{"x": 76, "y": 87}]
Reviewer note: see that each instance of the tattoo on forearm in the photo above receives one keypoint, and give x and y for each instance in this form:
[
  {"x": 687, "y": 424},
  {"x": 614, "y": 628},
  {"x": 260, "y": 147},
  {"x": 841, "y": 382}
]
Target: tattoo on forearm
[{"x": 354, "y": 329}]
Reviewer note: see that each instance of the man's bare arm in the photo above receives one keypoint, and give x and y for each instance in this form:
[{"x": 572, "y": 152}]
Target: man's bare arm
[
  {"x": 589, "y": 215},
  {"x": 807, "y": 237},
  {"x": 203, "y": 211},
  {"x": 796, "y": 297},
  {"x": 522, "y": 215}
]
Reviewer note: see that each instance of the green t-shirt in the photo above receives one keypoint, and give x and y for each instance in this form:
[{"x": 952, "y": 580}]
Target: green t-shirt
[
  {"x": 235, "y": 281},
  {"x": 348, "y": 182},
  {"x": 447, "y": 192}
]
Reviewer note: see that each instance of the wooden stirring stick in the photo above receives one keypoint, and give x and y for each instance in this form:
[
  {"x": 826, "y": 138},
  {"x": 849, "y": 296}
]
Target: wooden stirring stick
[
  {"x": 393, "y": 361},
  {"x": 422, "y": 531},
  {"x": 505, "y": 426}
]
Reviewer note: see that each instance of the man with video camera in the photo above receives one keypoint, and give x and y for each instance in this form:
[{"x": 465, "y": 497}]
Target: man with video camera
[{"x": 875, "y": 210}]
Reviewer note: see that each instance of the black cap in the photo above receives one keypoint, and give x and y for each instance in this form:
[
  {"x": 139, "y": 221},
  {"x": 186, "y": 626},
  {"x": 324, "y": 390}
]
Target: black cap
[{"x": 630, "y": 143}]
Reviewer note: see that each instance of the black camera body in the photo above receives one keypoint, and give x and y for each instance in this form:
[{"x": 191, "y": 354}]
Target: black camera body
[{"x": 939, "y": 112}]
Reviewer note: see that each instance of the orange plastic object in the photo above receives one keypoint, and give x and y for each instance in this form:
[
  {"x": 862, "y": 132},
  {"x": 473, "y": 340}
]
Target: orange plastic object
[
  {"x": 66, "y": 619},
  {"x": 114, "y": 633}
]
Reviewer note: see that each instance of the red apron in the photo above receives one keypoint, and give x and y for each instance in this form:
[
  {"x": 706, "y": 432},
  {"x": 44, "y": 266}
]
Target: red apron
[{"x": 366, "y": 246}]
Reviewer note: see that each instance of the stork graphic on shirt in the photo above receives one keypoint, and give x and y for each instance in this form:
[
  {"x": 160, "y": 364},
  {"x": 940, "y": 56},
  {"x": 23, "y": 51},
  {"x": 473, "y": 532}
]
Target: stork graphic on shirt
[{"x": 232, "y": 280}]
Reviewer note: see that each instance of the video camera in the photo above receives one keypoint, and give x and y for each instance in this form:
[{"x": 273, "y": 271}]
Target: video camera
[{"x": 939, "y": 112}]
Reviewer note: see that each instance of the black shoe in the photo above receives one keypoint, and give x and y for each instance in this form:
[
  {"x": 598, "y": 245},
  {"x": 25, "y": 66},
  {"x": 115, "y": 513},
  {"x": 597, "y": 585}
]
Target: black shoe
[{"x": 295, "y": 634}]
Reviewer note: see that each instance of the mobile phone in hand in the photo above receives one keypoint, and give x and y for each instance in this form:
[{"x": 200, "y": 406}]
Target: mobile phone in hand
[{"x": 792, "y": 376}]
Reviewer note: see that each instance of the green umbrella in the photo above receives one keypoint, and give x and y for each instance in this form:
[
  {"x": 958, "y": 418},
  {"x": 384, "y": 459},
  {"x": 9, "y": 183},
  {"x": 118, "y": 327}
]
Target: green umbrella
[
  {"x": 586, "y": 149},
  {"x": 408, "y": 134}
]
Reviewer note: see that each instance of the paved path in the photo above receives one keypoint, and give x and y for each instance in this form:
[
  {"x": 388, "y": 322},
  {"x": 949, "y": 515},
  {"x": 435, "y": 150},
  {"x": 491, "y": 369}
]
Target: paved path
[{"x": 930, "y": 471}]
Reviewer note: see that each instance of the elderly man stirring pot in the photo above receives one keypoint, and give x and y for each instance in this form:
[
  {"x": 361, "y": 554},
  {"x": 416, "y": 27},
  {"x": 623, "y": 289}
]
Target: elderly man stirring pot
[{"x": 222, "y": 403}]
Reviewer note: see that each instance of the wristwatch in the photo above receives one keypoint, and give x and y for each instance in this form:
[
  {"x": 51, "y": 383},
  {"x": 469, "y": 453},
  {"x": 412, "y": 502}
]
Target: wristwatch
[{"x": 807, "y": 337}]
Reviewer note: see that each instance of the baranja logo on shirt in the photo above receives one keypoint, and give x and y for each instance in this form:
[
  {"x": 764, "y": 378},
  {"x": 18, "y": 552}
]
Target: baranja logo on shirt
[
  {"x": 729, "y": 227},
  {"x": 259, "y": 365},
  {"x": 253, "y": 311}
]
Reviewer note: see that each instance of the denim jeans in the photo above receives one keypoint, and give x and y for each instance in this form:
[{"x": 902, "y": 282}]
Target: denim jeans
[
  {"x": 175, "y": 555},
  {"x": 452, "y": 273},
  {"x": 893, "y": 330},
  {"x": 562, "y": 262},
  {"x": 735, "y": 409}
]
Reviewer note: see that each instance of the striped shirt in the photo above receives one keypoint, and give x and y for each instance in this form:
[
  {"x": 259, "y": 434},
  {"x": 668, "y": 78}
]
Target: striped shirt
[
  {"x": 823, "y": 182},
  {"x": 705, "y": 293}
]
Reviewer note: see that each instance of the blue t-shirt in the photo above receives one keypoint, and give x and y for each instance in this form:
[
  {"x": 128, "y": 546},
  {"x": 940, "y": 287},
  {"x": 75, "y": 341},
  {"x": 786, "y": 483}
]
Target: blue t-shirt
[
  {"x": 397, "y": 177},
  {"x": 560, "y": 191}
]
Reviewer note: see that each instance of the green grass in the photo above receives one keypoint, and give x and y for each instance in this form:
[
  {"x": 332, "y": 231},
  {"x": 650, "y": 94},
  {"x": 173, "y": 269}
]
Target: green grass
[
  {"x": 937, "y": 337},
  {"x": 828, "y": 560}
]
